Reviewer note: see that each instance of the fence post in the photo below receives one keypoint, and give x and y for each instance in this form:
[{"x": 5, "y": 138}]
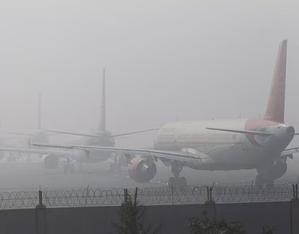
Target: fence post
[
  {"x": 292, "y": 203},
  {"x": 40, "y": 215},
  {"x": 210, "y": 195},
  {"x": 295, "y": 191},
  {"x": 87, "y": 195},
  {"x": 125, "y": 195},
  {"x": 171, "y": 194},
  {"x": 210, "y": 203},
  {"x": 40, "y": 200}
]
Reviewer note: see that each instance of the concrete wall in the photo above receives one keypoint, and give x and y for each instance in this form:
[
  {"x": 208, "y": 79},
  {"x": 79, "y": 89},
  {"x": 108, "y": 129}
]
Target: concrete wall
[{"x": 173, "y": 219}]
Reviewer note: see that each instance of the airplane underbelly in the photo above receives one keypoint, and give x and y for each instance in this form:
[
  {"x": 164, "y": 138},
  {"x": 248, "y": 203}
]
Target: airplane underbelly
[
  {"x": 95, "y": 156},
  {"x": 236, "y": 156},
  {"x": 223, "y": 156}
]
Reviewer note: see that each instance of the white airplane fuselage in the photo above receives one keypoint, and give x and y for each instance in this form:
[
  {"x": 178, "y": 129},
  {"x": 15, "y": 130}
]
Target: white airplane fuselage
[{"x": 226, "y": 150}]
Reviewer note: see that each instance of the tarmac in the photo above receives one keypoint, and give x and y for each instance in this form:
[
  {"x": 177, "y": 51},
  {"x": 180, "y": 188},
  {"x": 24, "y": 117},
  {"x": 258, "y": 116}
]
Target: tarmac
[{"x": 24, "y": 175}]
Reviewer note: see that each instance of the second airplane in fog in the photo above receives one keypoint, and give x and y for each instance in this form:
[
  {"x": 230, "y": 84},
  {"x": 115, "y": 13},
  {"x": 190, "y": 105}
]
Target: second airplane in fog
[{"x": 100, "y": 137}]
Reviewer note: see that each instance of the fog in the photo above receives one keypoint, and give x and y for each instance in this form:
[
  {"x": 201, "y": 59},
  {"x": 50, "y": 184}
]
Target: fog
[{"x": 165, "y": 60}]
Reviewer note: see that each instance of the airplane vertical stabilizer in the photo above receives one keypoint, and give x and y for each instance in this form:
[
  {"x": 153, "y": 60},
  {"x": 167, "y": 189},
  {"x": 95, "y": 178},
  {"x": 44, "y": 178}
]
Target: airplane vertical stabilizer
[
  {"x": 276, "y": 102},
  {"x": 102, "y": 126},
  {"x": 39, "y": 114}
]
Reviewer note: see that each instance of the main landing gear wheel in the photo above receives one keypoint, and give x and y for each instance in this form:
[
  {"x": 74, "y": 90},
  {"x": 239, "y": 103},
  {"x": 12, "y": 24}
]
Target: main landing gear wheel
[
  {"x": 115, "y": 166},
  {"x": 177, "y": 182}
]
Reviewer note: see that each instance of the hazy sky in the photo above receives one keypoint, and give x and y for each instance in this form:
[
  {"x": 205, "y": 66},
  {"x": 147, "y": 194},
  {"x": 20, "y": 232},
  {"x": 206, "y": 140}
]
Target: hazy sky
[{"x": 165, "y": 60}]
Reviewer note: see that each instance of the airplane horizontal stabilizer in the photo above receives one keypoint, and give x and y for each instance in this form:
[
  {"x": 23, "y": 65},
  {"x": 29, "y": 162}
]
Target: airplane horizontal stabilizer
[{"x": 258, "y": 133}]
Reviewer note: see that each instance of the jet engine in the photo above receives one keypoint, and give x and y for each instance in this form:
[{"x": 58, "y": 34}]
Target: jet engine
[
  {"x": 142, "y": 170},
  {"x": 51, "y": 161}
]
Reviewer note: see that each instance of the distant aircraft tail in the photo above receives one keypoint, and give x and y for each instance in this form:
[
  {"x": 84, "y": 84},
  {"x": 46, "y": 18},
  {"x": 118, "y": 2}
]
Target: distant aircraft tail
[
  {"x": 102, "y": 126},
  {"x": 39, "y": 110},
  {"x": 276, "y": 101}
]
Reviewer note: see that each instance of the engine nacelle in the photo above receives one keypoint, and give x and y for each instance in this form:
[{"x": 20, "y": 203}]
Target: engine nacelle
[
  {"x": 142, "y": 170},
  {"x": 51, "y": 162}
]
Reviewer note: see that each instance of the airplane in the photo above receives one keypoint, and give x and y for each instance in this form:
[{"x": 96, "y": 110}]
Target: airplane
[
  {"x": 100, "y": 137},
  {"x": 235, "y": 144},
  {"x": 22, "y": 139},
  {"x": 40, "y": 134}
]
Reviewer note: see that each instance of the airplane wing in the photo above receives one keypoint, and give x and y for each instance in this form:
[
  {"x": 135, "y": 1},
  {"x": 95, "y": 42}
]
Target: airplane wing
[
  {"x": 73, "y": 133},
  {"x": 96, "y": 135},
  {"x": 159, "y": 154},
  {"x": 32, "y": 150}
]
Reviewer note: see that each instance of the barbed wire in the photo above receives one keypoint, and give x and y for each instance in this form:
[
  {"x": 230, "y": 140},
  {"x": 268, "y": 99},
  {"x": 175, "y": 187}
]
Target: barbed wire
[{"x": 91, "y": 196}]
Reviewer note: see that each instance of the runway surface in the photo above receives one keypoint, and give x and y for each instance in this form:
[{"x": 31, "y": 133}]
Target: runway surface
[{"x": 24, "y": 176}]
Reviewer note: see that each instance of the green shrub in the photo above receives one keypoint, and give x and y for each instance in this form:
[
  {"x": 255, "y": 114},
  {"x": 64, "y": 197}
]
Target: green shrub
[
  {"x": 212, "y": 226},
  {"x": 131, "y": 217}
]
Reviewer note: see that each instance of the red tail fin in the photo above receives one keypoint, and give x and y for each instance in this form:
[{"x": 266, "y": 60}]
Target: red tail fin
[{"x": 276, "y": 102}]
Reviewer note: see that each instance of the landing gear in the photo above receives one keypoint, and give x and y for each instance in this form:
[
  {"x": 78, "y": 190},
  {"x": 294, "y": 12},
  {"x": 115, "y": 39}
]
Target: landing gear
[
  {"x": 115, "y": 166},
  {"x": 176, "y": 181},
  {"x": 268, "y": 174},
  {"x": 69, "y": 166}
]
